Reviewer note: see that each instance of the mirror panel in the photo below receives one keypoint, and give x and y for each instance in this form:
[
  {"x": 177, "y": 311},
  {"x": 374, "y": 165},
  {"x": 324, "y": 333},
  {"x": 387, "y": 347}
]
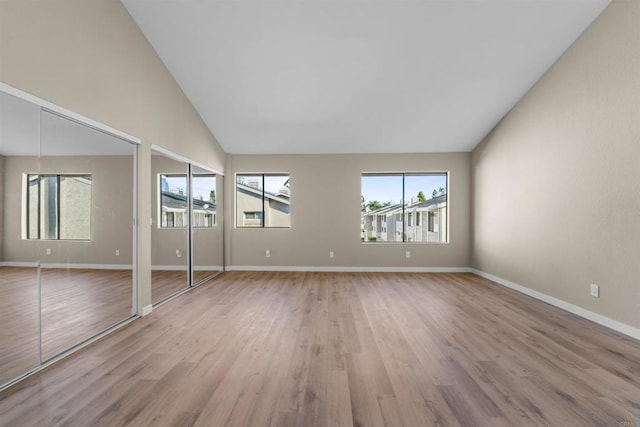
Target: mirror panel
[
  {"x": 19, "y": 295},
  {"x": 207, "y": 229},
  {"x": 170, "y": 231},
  {"x": 85, "y": 230}
]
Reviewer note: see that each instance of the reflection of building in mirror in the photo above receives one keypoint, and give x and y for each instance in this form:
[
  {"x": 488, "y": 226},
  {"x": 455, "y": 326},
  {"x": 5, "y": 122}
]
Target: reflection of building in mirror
[
  {"x": 173, "y": 195},
  {"x": 57, "y": 207}
]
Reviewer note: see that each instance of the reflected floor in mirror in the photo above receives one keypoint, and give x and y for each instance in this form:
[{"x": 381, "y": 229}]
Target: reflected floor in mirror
[
  {"x": 165, "y": 283},
  {"x": 19, "y": 322},
  {"x": 76, "y": 304}
]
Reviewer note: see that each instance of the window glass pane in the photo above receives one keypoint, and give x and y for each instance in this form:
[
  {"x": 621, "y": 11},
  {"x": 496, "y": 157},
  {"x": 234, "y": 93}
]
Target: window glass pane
[
  {"x": 426, "y": 197},
  {"x": 32, "y": 206},
  {"x": 173, "y": 196},
  {"x": 249, "y": 201},
  {"x": 48, "y": 207},
  {"x": 409, "y": 207},
  {"x": 277, "y": 201},
  {"x": 75, "y": 207},
  {"x": 204, "y": 200},
  {"x": 263, "y": 200},
  {"x": 381, "y": 208}
]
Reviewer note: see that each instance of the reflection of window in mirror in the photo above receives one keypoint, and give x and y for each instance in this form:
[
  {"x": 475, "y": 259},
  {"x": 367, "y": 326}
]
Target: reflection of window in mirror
[
  {"x": 173, "y": 196},
  {"x": 57, "y": 207},
  {"x": 204, "y": 201}
]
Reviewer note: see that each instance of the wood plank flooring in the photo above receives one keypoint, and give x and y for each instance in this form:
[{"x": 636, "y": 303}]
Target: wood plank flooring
[{"x": 342, "y": 349}]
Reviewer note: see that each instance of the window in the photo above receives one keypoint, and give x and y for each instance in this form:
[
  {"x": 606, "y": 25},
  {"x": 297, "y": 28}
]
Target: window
[
  {"x": 414, "y": 205},
  {"x": 262, "y": 200},
  {"x": 58, "y": 207}
]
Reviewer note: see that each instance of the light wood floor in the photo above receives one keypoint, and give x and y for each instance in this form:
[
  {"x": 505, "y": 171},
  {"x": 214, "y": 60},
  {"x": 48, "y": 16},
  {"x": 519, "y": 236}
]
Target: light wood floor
[{"x": 332, "y": 349}]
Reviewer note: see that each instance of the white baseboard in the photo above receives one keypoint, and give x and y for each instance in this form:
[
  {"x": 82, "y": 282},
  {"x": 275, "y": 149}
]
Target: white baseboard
[
  {"x": 623, "y": 328},
  {"x": 339, "y": 269},
  {"x": 146, "y": 310}
]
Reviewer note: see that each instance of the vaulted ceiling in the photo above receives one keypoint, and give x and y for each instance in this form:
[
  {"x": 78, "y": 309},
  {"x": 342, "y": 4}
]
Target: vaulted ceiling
[{"x": 355, "y": 76}]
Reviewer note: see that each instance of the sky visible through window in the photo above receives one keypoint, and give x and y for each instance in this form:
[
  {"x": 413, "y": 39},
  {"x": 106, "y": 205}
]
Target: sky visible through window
[{"x": 388, "y": 188}]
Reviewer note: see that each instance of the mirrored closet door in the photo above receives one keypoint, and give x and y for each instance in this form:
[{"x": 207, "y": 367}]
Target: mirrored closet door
[
  {"x": 19, "y": 287},
  {"x": 187, "y": 231},
  {"x": 206, "y": 233},
  {"x": 67, "y": 208},
  {"x": 83, "y": 196},
  {"x": 170, "y": 229}
]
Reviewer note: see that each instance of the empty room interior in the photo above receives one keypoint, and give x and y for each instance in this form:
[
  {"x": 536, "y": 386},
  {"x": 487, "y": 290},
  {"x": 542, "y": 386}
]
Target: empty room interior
[{"x": 319, "y": 213}]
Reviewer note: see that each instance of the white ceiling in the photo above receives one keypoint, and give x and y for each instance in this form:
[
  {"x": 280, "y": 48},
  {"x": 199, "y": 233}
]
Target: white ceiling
[{"x": 355, "y": 76}]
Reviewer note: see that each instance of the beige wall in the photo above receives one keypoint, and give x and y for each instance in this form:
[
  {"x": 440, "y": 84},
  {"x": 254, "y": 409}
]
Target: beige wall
[
  {"x": 111, "y": 214},
  {"x": 556, "y": 185},
  {"x": 325, "y": 213},
  {"x": 90, "y": 57}
]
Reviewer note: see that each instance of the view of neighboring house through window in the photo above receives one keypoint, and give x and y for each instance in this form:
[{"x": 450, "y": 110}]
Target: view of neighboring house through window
[
  {"x": 262, "y": 200},
  {"x": 404, "y": 207},
  {"x": 173, "y": 197},
  {"x": 58, "y": 207}
]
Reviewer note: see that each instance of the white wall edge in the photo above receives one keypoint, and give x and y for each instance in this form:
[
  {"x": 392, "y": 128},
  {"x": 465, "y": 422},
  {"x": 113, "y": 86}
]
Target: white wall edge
[
  {"x": 146, "y": 310},
  {"x": 68, "y": 113},
  {"x": 342, "y": 269},
  {"x": 623, "y": 328}
]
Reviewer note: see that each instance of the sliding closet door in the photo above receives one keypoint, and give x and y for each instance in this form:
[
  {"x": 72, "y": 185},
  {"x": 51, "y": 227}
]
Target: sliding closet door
[
  {"x": 206, "y": 234},
  {"x": 170, "y": 229},
  {"x": 84, "y": 210},
  {"x": 19, "y": 296}
]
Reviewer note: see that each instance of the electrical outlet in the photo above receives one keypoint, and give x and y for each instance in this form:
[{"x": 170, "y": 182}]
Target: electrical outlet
[
  {"x": 48, "y": 251},
  {"x": 267, "y": 253},
  {"x": 331, "y": 254},
  {"x": 595, "y": 290},
  {"x": 178, "y": 253},
  {"x": 117, "y": 252},
  {"x": 407, "y": 254}
]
